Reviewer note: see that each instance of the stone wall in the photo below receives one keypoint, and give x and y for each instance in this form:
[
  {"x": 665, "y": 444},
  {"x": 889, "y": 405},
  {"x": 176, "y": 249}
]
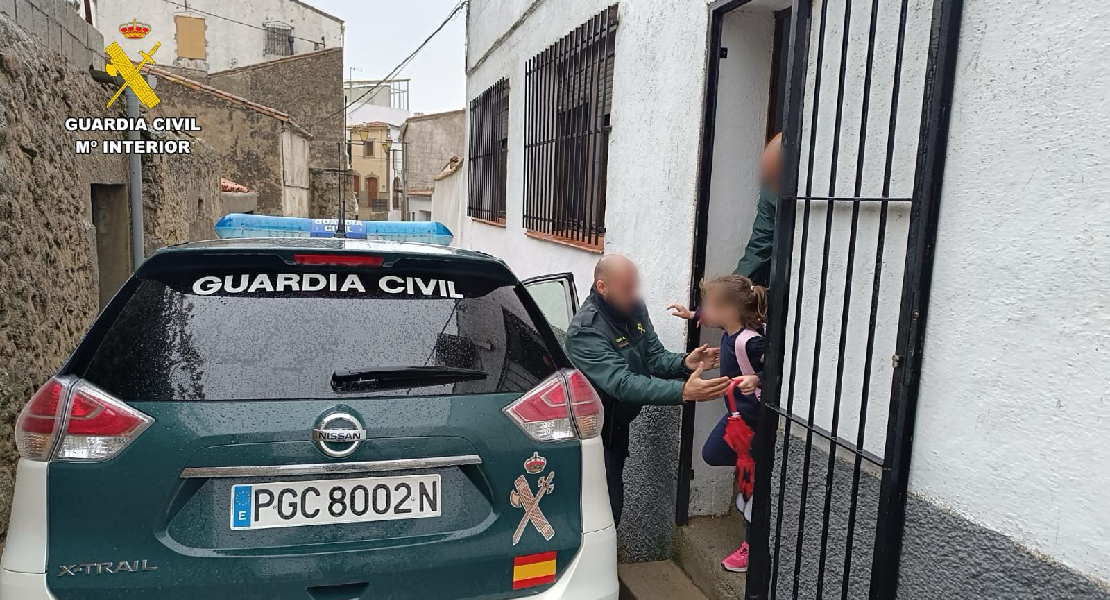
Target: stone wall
[
  {"x": 60, "y": 28},
  {"x": 324, "y": 195},
  {"x": 308, "y": 87},
  {"x": 181, "y": 196},
  {"x": 430, "y": 142},
  {"x": 49, "y": 277},
  {"x": 248, "y": 141}
]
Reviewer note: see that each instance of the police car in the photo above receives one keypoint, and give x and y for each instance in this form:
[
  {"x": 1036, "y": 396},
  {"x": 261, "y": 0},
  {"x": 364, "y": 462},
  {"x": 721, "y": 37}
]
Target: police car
[{"x": 321, "y": 419}]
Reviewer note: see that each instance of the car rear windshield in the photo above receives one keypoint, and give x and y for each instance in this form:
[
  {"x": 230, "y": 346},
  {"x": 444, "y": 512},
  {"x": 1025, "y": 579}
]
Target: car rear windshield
[{"x": 282, "y": 335}]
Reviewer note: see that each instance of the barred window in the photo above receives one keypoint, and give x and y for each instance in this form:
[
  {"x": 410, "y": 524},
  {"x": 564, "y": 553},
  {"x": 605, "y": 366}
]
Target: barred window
[
  {"x": 568, "y": 96},
  {"x": 489, "y": 150},
  {"x": 279, "y": 39}
]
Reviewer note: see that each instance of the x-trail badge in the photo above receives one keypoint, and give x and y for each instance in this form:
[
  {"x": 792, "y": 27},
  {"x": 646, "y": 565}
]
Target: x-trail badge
[{"x": 338, "y": 434}]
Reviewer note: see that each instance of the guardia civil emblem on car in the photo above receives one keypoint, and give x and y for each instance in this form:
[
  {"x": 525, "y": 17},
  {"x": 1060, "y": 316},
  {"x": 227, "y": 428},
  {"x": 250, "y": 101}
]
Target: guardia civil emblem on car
[{"x": 338, "y": 434}]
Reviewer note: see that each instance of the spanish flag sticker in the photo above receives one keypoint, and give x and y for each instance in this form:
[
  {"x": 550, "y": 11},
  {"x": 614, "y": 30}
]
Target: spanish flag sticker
[{"x": 534, "y": 569}]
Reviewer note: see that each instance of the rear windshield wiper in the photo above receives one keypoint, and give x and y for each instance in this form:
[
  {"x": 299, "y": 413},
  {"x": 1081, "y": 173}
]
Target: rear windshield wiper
[{"x": 392, "y": 377}]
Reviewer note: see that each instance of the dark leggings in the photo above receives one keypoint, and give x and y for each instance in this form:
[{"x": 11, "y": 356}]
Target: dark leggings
[{"x": 717, "y": 453}]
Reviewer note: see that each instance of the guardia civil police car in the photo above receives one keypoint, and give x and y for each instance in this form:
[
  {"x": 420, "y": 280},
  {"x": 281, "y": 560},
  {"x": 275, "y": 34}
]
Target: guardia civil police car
[{"x": 315, "y": 419}]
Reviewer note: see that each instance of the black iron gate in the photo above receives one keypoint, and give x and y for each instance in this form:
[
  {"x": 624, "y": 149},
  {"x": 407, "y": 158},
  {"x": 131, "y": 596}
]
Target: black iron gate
[{"x": 829, "y": 512}]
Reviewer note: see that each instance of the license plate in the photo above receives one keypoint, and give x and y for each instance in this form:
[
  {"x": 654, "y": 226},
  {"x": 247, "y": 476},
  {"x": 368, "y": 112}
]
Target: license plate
[{"x": 297, "y": 503}]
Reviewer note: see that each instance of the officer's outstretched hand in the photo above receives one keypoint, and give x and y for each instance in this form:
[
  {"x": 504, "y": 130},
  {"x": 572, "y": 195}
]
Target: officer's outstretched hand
[
  {"x": 700, "y": 390},
  {"x": 703, "y": 356}
]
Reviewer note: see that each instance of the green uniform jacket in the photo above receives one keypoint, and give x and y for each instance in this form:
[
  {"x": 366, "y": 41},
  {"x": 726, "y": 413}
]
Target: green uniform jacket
[
  {"x": 624, "y": 360},
  {"x": 756, "y": 262}
]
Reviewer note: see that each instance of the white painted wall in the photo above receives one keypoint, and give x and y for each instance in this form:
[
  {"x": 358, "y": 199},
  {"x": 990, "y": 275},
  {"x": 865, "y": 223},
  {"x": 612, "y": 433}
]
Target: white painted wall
[
  {"x": 449, "y": 201},
  {"x": 1013, "y": 403},
  {"x": 743, "y": 95},
  {"x": 228, "y": 44},
  {"x": 652, "y": 173},
  {"x": 817, "y": 182},
  {"x": 1014, "y": 408}
]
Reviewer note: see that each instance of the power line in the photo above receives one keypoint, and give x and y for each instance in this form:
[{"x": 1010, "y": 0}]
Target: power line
[
  {"x": 402, "y": 64},
  {"x": 229, "y": 19}
]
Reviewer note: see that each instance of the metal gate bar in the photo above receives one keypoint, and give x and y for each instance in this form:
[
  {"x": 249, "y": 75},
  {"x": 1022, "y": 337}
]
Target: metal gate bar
[
  {"x": 932, "y": 134},
  {"x": 940, "y": 77}
]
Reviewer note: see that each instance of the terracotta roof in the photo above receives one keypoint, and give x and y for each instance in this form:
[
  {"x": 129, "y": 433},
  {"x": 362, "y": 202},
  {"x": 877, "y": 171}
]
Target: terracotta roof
[
  {"x": 228, "y": 185},
  {"x": 420, "y": 192},
  {"x": 368, "y": 125},
  {"x": 200, "y": 87},
  {"x": 283, "y": 59}
]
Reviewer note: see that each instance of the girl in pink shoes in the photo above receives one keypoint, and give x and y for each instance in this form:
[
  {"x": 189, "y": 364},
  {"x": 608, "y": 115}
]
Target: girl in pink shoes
[{"x": 732, "y": 303}]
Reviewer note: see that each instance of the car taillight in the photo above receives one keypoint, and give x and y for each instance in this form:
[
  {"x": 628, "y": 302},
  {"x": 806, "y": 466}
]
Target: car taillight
[
  {"x": 37, "y": 427},
  {"x": 562, "y": 407},
  {"x": 75, "y": 420},
  {"x": 338, "y": 260}
]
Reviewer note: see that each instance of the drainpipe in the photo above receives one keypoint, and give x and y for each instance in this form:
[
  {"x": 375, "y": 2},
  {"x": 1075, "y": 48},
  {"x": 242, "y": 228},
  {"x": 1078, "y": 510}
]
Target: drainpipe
[
  {"x": 134, "y": 170},
  {"x": 135, "y": 186}
]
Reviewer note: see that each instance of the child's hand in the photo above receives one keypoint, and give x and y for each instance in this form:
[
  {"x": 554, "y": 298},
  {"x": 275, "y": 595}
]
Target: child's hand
[
  {"x": 680, "y": 311},
  {"x": 748, "y": 384}
]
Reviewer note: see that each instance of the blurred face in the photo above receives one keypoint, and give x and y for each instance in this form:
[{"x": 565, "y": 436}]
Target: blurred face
[
  {"x": 621, "y": 286},
  {"x": 716, "y": 311},
  {"x": 770, "y": 164}
]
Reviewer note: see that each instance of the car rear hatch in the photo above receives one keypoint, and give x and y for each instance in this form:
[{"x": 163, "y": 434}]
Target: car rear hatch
[{"x": 326, "y": 424}]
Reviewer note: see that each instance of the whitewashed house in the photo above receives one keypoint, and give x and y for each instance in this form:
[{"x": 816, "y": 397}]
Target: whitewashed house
[
  {"x": 213, "y": 35},
  {"x": 940, "y": 280}
]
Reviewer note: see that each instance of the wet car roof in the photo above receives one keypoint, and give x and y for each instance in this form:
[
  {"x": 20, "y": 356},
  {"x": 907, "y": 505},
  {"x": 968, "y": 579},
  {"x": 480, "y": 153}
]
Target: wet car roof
[{"x": 335, "y": 244}]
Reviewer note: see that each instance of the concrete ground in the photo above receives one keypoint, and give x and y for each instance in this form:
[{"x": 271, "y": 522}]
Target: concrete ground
[
  {"x": 661, "y": 580},
  {"x": 702, "y": 544}
]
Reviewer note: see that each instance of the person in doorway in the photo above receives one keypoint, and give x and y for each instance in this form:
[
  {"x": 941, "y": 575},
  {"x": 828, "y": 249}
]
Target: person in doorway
[
  {"x": 755, "y": 263},
  {"x": 612, "y": 342},
  {"x": 735, "y": 305}
]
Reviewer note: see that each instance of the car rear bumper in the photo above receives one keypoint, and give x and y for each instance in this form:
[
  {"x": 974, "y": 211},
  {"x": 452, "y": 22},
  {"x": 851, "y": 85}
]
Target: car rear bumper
[
  {"x": 591, "y": 576},
  {"x": 593, "y": 573}
]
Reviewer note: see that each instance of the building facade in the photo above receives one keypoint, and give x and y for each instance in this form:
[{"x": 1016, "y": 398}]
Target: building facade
[
  {"x": 209, "y": 35},
  {"x": 652, "y": 152},
  {"x": 428, "y": 142},
  {"x": 260, "y": 147},
  {"x": 369, "y": 145},
  {"x": 66, "y": 216}
]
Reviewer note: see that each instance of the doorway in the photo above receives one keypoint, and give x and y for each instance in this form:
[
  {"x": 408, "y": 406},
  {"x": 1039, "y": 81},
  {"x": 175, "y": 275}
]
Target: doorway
[
  {"x": 867, "y": 93},
  {"x": 111, "y": 218},
  {"x": 744, "y": 109},
  {"x": 371, "y": 192}
]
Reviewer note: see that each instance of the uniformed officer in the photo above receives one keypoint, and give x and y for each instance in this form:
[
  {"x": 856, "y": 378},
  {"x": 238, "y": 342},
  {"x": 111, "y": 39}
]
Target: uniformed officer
[{"x": 611, "y": 340}]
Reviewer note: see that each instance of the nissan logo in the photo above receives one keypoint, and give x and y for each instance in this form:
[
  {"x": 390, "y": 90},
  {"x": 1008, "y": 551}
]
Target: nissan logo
[{"x": 338, "y": 434}]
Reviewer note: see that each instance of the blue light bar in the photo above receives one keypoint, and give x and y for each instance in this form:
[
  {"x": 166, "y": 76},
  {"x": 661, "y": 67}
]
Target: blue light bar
[{"x": 236, "y": 225}]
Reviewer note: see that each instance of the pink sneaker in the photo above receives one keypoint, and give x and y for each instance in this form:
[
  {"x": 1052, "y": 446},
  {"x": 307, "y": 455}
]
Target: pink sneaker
[{"x": 737, "y": 562}]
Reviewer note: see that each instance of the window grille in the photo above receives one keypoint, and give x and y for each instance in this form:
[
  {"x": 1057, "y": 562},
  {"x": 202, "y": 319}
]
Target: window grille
[
  {"x": 568, "y": 98},
  {"x": 489, "y": 148},
  {"x": 279, "y": 40}
]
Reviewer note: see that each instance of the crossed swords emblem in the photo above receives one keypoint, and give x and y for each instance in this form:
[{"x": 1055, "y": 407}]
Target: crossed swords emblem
[{"x": 522, "y": 497}]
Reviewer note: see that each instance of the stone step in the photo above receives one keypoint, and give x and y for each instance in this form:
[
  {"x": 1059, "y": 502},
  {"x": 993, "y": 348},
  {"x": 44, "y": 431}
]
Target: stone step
[
  {"x": 702, "y": 544},
  {"x": 661, "y": 580}
]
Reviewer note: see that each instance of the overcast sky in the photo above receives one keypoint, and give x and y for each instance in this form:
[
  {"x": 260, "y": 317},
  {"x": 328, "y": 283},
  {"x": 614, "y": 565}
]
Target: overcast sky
[{"x": 381, "y": 33}]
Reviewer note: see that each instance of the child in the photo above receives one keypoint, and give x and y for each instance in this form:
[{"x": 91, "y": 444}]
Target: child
[{"x": 732, "y": 303}]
